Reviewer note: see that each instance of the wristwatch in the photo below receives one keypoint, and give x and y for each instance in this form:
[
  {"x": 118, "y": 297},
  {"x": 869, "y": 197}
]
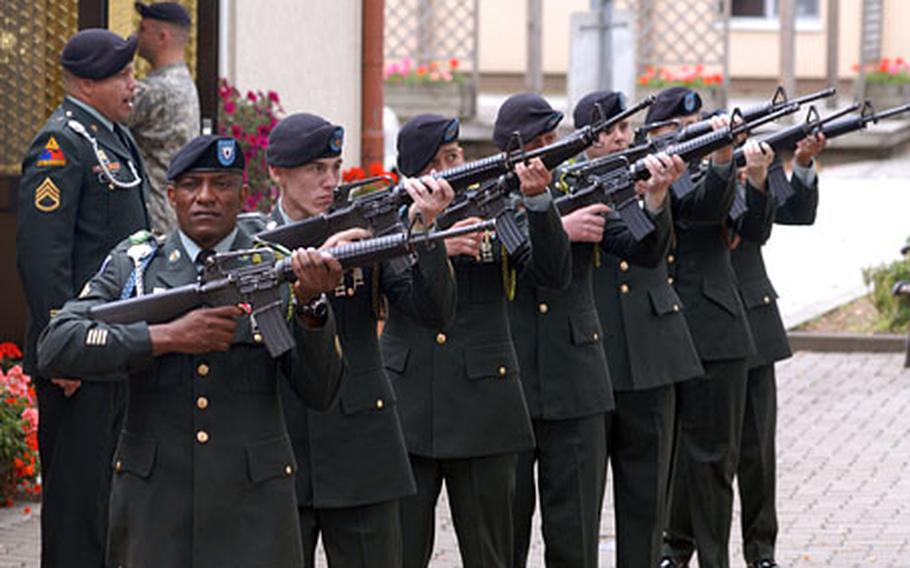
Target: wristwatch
[{"x": 317, "y": 309}]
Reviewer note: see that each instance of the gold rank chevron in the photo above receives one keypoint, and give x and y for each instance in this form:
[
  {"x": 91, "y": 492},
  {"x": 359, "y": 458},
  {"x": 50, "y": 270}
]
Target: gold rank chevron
[{"x": 47, "y": 196}]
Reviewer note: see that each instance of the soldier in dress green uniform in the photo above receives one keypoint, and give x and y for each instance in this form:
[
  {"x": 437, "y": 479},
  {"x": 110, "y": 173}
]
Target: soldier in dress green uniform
[
  {"x": 204, "y": 467},
  {"x": 83, "y": 190},
  {"x": 709, "y": 408},
  {"x": 358, "y": 463},
  {"x": 460, "y": 402},
  {"x": 648, "y": 348},
  {"x": 757, "y": 470},
  {"x": 564, "y": 372}
]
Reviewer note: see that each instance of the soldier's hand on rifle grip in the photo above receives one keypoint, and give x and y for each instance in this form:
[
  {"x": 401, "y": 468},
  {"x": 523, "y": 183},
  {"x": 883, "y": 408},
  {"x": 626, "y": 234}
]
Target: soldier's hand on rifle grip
[
  {"x": 809, "y": 148},
  {"x": 586, "y": 225},
  {"x": 316, "y": 272},
  {"x": 199, "y": 331},
  {"x": 759, "y": 156},
  {"x": 468, "y": 245},
  {"x": 346, "y": 237},
  {"x": 664, "y": 171},
  {"x": 431, "y": 196},
  {"x": 725, "y": 154},
  {"x": 534, "y": 177}
]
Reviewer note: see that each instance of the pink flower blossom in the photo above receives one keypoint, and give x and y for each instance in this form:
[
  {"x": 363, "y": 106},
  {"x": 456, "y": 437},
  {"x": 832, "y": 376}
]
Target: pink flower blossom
[
  {"x": 236, "y": 131},
  {"x": 273, "y": 96},
  {"x": 229, "y": 107},
  {"x": 30, "y": 415},
  {"x": 251, "y": 96}
]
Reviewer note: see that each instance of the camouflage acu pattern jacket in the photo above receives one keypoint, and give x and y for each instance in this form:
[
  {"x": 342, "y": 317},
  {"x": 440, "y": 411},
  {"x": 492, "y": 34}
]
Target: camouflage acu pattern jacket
[{"x": 165, "y": 117}]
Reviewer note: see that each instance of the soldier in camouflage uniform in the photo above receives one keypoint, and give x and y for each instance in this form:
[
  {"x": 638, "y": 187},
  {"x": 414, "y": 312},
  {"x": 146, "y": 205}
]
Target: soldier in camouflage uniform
[{"x": 166, "y": 105}]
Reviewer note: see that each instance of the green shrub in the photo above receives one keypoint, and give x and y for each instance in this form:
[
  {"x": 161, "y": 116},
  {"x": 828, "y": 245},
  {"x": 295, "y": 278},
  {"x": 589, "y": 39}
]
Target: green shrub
[{"x": 893, "y": 311}]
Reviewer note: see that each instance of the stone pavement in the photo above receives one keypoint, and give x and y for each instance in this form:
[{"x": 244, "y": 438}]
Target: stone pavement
[{"x": 843, "y": 470}]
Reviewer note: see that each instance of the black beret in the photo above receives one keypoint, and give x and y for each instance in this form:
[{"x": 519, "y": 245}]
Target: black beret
[
  {"x": 529, "y": 114},
  {"x": 672, "y": 103},
  {"x": 97, "y": 54},
  {"x": 420, "y": 138},
  {"x": 165, "y": 11},
  {"x": 301, "y": 138},
  {"x": 611, "y": 103},
  {"x": 207, "y": 153}
]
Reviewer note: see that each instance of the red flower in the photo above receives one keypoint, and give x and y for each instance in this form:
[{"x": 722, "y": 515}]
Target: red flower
[
  {"x": 352, "y": 174},
  {"x": 376, "y": 169},
  {"x": 9, "y": 350},
  {"x": 453, "y": 64},
  {"x": 251, "y": 96},
  {"x": 273, "y": 96},
  {"x": 229, "y": 107},
  {"x": 236, "y": 131}
]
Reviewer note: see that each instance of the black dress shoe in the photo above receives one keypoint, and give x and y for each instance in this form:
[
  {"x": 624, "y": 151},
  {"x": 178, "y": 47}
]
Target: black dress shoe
[{"x": 766, "y": 563}]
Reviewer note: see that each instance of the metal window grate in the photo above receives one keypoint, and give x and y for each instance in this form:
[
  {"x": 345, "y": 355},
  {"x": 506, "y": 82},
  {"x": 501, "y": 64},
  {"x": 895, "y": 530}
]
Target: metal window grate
[
  {"x": 673, "y": 33},
  {"x": 433, "y": 30},
  {"x": 32, "y": 34}
]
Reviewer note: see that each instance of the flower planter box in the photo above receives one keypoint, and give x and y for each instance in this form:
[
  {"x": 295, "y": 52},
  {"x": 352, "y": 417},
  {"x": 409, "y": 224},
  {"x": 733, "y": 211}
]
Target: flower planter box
[
  {"x": 885, "y": 96},
  {"x": 447, "y": 99}
]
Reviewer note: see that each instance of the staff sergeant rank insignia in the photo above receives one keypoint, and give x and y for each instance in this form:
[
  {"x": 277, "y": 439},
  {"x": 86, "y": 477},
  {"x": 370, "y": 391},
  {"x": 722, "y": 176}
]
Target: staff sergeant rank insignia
[
  {"x": 47, "y": 196},
  {"x": 51, "y": 155}
]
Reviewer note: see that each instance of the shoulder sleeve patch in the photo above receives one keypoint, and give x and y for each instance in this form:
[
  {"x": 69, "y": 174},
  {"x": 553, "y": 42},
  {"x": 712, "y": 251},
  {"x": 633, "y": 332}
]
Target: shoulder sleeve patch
[
  {"x": 51, "y": 154},
  {"x": 47, "y": 196}
]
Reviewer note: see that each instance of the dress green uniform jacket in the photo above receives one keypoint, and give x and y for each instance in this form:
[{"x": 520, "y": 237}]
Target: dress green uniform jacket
[
  {"x": 558, "y": 335},
  {"x": 756, "y": 289},
  {"x": 645, "y": 335},
  {"x": 69, "y": 216},
  {"x": 703, "y": 274},
  {"x": 356, "y": 452},
  {"x": 204, "y": 467},
  {"x": 458, "y": 390}
]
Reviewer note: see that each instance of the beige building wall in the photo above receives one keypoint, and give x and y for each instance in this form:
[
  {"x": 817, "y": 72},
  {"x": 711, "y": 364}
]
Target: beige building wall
[
  {"x": 753, "y": 48},
  {"x": 308, "y": 51}
]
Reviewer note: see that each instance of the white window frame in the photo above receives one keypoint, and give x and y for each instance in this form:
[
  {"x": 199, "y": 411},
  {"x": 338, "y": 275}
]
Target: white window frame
[{"x": 770, "y": 23}]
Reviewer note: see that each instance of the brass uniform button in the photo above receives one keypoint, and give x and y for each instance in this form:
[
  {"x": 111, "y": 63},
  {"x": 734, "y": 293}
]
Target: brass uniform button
[
  {"x": 288, "y": 470},
  {"x": 671, "y": 259},
  {"x": 350, "y": 291},
  {"x": 543, "y": 308},
  {"x": 624, "y": 288},
  {"x": 503, "y": 371},
  {"x": 257, "y": 337},
  {"x": 379, "y": 403},
  {"x": 118, "y": 466},
  {"x": 202, "y": 403},
  {"x": 766, "y": 299},
  {"x": 202, "y": 436},
  {"x": 202, "y": 370},
  {"x": 675, "y": 307},
  {"x": 624, "y": 266},
  {"x": 440, "y": 338},
  {"x": 670, "y": 280}
]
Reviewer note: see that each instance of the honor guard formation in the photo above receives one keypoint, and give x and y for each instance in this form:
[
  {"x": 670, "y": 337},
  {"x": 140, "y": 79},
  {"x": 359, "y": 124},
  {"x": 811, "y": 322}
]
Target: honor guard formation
[{"x": 214, "y": 392}]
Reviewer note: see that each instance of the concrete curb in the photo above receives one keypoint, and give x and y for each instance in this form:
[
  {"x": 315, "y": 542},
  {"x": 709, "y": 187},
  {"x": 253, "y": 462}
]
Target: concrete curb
[{"x": 847, "y": 342}]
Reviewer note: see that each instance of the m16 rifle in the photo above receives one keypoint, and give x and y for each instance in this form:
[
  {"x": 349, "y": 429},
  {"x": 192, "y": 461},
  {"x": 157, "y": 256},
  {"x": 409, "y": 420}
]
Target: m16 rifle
[
  {"x": 616, "y": 187},
  {"x": 254, "y": 277},
  {"x": 380, "y": 211}
]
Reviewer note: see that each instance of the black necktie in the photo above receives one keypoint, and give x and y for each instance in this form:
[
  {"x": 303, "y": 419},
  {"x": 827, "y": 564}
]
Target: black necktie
[
  {"x": 201, "y": 259},
  {"x": 125, "y": 140}
]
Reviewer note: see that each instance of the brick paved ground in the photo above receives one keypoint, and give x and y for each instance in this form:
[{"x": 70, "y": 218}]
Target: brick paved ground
[{"x": 844, "y": 472}]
